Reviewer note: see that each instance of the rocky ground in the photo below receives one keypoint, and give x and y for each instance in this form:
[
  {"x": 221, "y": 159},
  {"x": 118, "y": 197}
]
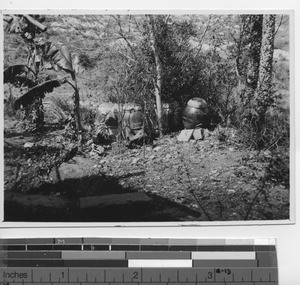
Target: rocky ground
[{"x": 214, "y": 179}]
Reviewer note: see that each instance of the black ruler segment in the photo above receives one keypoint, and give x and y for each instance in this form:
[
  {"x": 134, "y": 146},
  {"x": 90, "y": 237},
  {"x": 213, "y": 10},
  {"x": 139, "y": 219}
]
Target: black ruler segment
[
  {"x": 13, "y": 247},
  {"x": 237, "y": 248},
  {"x": 265, "y": 248},
  {"x": 183, "y": 248},
  {"x": 33, "y": 255},
  {"x": 95, "y": 263},
  {"x": 40, "y": 247},
  {"x": 95, "y": 247},
  {"x": 84, "y": 261},
  {"x": 34, "y": 263},
  {"x": 154, "y": 247},
  {"x": 67, "y": 247},
  {"x": 125, "y": 247}
]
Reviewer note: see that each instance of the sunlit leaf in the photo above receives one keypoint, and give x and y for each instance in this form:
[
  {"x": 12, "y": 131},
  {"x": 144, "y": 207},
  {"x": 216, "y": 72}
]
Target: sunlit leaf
[{"x": 59, "y": 55}]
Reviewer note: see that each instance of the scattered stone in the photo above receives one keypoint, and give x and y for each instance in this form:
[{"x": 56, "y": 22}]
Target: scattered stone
[
  {"x": 267, "y": 154},
  {"x": 158, "y": 148},
  {"x": 103, "y": 161},
  {"x": 92, "y": 154},
  {"x": 136, "y": 160},
  {"x": 28, "y": 145},
  {"x": 231, "y": 149},
  {"x": 99, "y": 150},
  {"x": 185, "y": 135},
  {"x": 231, "y": 191},
  {"x": 198, "y": 134},
  {"x": 242, "y": 167},
  {"x": 168, "y": 156},
  {"x": 207, "y": 133}
]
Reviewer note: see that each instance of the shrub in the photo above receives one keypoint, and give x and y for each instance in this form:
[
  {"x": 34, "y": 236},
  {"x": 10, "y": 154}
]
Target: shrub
[{"x": 86, "y": 61}]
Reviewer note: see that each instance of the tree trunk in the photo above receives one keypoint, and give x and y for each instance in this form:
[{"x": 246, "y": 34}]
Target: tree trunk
[
  {"x": 248, "y": 57},
  {"x": 158, "y": 75},
  {"x": 264, "y": 96},
  {"x": 264, "y": 89},
  {"x": 76, "y": 111},
  {"x": 247, "y": 63},
  {"x": 255, "y": 38}
]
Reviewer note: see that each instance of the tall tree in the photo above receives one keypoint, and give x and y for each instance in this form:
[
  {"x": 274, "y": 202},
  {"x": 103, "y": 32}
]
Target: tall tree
[
  {"x": 255, "y": 38},
  {"x": 264, "y": 96},
  {"x": 158, "y": 70},
  {"x": 248, "y": 57}
]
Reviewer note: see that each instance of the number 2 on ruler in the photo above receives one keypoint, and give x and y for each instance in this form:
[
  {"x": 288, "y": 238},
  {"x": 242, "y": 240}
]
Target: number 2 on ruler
[{"x": 135, "y": 275}]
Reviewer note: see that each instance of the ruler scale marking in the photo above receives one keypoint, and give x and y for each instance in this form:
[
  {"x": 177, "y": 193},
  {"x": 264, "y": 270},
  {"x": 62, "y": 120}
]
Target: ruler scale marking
[{"x": 138, "y": 261}]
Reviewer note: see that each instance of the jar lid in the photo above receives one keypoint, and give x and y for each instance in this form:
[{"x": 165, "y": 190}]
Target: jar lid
[
  {"x": 129, "y": 107},
  {"x": 198, "y": 103}
]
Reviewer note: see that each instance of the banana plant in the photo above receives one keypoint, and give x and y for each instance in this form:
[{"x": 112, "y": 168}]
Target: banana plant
[
  {"x": 60, "y": 57},
  {"x": 40, "y": 50}
]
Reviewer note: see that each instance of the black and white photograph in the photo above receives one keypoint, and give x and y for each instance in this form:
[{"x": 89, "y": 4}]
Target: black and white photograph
[{"x": 147, "y": 117}]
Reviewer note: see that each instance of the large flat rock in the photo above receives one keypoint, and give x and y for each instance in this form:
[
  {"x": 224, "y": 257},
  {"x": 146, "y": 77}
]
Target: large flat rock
[{"x": 76, "y": 168}]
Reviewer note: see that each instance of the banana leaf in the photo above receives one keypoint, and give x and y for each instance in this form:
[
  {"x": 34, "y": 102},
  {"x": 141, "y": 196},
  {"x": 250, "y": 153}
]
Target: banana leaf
[
  {"x": 7, "y": 18},
  {"x": 11, "y": 72},
  {"x": 16, "y": 25},
  {"x": 59, "y": 55},
  {"x": 39, "y": 91}
]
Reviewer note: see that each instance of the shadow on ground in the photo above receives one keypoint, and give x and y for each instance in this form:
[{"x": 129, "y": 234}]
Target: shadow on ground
[{"x": 66, "y": 202}]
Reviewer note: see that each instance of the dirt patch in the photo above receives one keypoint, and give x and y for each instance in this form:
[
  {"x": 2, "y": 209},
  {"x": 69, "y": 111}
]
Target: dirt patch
[
  {"x": 207, "y": 180},
  {"x": 222, "y": 181}
]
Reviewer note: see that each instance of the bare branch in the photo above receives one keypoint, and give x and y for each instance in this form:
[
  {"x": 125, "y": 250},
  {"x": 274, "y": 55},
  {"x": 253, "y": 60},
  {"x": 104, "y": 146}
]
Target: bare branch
[
  {"x": 280, "y": 23},
  {"x": 124, "y": 37},
  {"x": 203, "y": 35}
]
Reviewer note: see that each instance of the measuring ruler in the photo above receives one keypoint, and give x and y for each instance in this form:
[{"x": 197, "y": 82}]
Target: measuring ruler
[{"x": 111, "y": 261}]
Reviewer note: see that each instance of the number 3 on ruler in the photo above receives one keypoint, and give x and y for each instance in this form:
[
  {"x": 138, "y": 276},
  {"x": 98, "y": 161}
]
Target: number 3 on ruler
[{"x": 209, "y": 275}]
